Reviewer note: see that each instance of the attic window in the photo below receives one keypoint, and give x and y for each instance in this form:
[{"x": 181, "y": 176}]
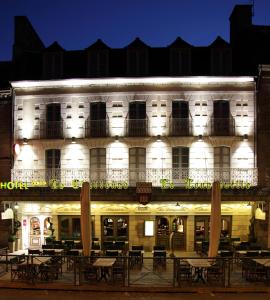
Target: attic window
[
  {"x": 20, "y": 108},
  {"x": 81, "y": 117},
  {"x": 36, "y": 107},
  {"x": 154, "y": 104},
  {"x": 68, "y": 106},
  {"x": 68, "y": 117},
  {"x": 81, "y": 106}
]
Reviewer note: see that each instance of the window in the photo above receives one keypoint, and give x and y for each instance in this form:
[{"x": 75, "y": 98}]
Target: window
[
  {"x": 137, "y": 165},
  {"x": 137, "y": 62},
  {"x": 52, "y": 65},
  {"x": 180, "y": 61},
  {"x": 52, "y": 159},
  {"x": 180, "y": 162},
  {"x": 221, "y": 61},
  {"x": 53, "y": 127},
  {"x": 222, "y": 122},
  {"x": 98, "y": 63},
  {"x": 137, "y": 122},
  {"x": 180, "y": 118},
  {"x": 96, "y": 126},
  {"x": 98, "y": 164},
  {"x": 222, "y": 163}
]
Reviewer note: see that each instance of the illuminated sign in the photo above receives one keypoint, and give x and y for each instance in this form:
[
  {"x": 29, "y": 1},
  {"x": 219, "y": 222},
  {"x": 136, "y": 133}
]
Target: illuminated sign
[
  {"x": 165, "y": 184},
  {"x": 191, "y": 185}
]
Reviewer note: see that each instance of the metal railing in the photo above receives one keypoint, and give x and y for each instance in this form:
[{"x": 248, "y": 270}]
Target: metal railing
[
  {"x": 136, "y": 127},
  {"x": 124, "y": 270},
  {"x": 222, "y": 126},
  {"x": 190, "y": 177},
  {"x": 97, "y": 128},
  {"x": 180, "y": 126},
  {"x": 51, "y": 129}
]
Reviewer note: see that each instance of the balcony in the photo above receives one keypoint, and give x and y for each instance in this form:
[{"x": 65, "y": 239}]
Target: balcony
[
  {"x": 222, "y": 126},
  {"x": 180, "y": 126},
  {"x": 97, "y": 128},
  {"x": 230, "y": 177},
  {"x": 136, "y": 127},
  {"x": 51, "y": 130}
]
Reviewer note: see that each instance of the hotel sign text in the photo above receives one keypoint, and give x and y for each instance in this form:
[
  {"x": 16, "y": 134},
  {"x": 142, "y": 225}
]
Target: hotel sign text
[{"x": 165, "y": 184}]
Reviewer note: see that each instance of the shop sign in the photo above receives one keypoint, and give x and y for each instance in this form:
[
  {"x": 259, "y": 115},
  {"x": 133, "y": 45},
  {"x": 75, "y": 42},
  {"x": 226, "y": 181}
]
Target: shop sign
[
  {"x": 144, "y": 192},
  {"x": 189, "y": 184}
]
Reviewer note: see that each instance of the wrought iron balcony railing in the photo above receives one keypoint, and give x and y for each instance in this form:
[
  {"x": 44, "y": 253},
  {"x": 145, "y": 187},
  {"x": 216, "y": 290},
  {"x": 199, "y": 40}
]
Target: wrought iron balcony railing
[
  {"x": 136, "y": 127},
  {"x": 180, "y": 126},
  {"x": 51, "y": 129},
  {"x": 97, "y": 128},
  {"x": 192, "y": 177},
  {"x": 222, "y": 126}
]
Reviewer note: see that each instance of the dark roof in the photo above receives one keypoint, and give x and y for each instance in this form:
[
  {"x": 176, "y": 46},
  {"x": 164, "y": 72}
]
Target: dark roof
[
  {"x": 219, "y": 42},
  {"x": 98, "y": 45},
  {"x": 179, "y": 43},
  {"x": 137, "y": 43},
  {"x": 54, "y": 47}
]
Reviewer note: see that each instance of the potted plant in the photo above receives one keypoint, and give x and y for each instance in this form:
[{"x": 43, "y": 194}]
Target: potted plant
[{"x": 13, "y": 236}]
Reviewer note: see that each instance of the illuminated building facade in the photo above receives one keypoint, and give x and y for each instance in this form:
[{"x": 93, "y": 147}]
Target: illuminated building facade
[{"x": 179, "y": 134}]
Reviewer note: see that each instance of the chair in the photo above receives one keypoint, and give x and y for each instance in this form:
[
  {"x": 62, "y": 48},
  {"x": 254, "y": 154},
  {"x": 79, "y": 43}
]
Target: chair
[
  {"x": 252, "y": 253},
  {"x": 108, "y": 245},
  {"x": 118, "y": 270},
  {"x": 183, "y": 271},
  {"x": 47, "y": 246},
  {"x": 57, "y": 242},
  {"x": 17, "y": 269},
  {"x": 265, "y": 253},
  {"x": 112, "y": 253},
  {"x": 89, "y": 271},
  {"x": 49, "y": 272},
  {"x": 226, "y": 253},
  {"x": 71, "y": 259},
  {"x": 48, "y": 252},
  {"x": 255, "y": 247},
  {"x": 120, "y": 245},
  {"x": 78, "y": 246},
  {"x": 34, "y": 251},
  {"x": 135, "y": 258},
  {"x": 216, "y": 273},
  {"x": 159, "y": 248},
  {"x": 95, "y": 246},
  {"x": 137, "y": 247},
  {"x": 159, "y": 260}
]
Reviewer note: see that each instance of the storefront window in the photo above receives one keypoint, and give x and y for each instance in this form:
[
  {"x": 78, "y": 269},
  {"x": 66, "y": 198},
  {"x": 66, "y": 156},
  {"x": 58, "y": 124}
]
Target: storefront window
[
  {"x": 178, "y": 225},
  {"x": 163, "y": 226},
  {"x": 35, "y": 226},
  {"x": 47, "y": 223},
  {"x": 122, "y": 226},
  {"x": 108, "y": 227}
]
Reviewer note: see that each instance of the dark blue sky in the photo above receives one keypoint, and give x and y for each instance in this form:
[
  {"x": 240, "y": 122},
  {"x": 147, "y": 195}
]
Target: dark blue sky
[{"x": 77, "y": 24}]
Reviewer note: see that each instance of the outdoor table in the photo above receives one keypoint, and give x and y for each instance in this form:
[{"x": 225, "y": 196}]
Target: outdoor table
[
  {"x": 104, "y": 264},
  {"x": 199, "y": 265}
]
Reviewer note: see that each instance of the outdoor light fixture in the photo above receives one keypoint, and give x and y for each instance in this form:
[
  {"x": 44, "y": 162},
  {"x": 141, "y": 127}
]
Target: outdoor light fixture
[
  {"x": 158, "y": 138},
  {"x": 116, "y": 138},
  {"x": 178, "y": 204},
  {"x": 17, "y": 149},
  {"x": 16, "y": 206},
  {"x": 25, "y": 141},
  {"x": 73, "y": 140},
  {"x": 200, "y": 138},
  {"x": 249, "y": 204},
  {"x": 245, "y": 138}
]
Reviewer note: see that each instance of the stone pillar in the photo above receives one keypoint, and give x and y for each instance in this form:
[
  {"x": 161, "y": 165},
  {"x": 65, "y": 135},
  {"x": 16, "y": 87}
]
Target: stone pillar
[{"x": 190, "y": 233}]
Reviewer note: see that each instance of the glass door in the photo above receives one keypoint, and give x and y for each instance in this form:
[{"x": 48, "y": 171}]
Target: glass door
[{"x": 114, "y": 228}]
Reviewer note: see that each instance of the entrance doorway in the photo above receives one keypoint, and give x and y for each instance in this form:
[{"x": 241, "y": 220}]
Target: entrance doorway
[
  {"x": 114, "y": 228},
  {"x": 171, "y": 232}
]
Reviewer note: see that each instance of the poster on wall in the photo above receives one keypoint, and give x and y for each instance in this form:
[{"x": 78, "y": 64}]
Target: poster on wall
[{"x": 148, "y": 228}]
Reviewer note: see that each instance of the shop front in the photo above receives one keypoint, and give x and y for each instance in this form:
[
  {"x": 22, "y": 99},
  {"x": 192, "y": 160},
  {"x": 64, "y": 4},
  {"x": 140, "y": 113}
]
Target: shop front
[{"x": 175, "y": 226}]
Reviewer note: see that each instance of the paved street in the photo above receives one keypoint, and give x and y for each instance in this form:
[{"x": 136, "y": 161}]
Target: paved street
[{"x": 11, "y": 294}]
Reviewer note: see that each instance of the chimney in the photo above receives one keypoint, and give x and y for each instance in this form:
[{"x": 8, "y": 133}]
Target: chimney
[{"x": 240, "y": 19}]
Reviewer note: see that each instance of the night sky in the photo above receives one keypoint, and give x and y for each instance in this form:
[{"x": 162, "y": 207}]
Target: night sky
[{"x": 77, "y": 24}]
